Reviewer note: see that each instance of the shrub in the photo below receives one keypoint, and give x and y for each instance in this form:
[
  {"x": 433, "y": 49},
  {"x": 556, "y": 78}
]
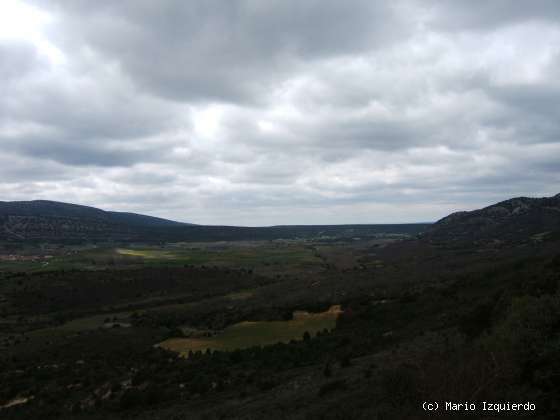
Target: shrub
[{"x": 331, "y": 387}]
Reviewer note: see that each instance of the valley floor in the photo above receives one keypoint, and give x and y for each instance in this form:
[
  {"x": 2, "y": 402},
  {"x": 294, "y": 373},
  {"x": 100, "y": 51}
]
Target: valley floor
[{"x": 250, "y": 330}]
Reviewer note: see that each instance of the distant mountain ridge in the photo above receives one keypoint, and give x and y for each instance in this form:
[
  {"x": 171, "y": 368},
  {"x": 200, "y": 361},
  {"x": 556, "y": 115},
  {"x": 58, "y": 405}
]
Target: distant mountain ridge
[
  {"x": 51, "y": 221},
  {"x": 46, "y": 208},
  {"x": 516, "y": 219}
]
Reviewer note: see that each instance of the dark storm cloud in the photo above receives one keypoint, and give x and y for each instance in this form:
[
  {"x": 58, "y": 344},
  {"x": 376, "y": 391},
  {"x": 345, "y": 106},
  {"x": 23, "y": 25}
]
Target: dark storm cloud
[{"x": 268, "y": 112}]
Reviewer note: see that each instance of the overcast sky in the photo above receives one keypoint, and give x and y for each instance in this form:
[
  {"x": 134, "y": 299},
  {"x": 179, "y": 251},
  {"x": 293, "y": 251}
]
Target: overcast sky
[{"x": 259, "y": 112}]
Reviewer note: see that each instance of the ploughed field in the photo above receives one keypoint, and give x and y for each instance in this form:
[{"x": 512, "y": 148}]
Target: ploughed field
[{"x": 248, "y": 334}]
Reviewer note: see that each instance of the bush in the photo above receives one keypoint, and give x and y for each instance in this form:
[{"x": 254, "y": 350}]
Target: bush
[
  {"x": 400, "y": 384},
  {"x": 531, "y": 329},
  {"x": 130, "y": 399},
  {"x": 331, "y": 387},
  {"x": 477, "y": 320}
]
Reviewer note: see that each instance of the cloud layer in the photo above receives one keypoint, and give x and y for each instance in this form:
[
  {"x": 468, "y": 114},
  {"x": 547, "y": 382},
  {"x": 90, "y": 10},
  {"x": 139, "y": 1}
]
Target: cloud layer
[{"x": 280, "y": 112}]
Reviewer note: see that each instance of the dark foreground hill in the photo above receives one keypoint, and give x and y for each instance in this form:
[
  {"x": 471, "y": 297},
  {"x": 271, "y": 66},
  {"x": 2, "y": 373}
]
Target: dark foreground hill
[
  {"x": 49, "y": 221},
  {"x": 514, "y": 220}
]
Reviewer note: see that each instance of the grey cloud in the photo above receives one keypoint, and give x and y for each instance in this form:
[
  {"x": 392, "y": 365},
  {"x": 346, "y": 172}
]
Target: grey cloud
[
  {"x": 362, "y": 133},
  {"x": 79, "y": 152},
  {"x": 146, "y": 177},
  {"x": 534, "y": 99},
  {"x": 17, "y": 169},
  {"x": 488, "y": 14},
  {"x": 84, "y": 118},
  {"x": 531, "y": 111},
  {"x": 272, "y": 170},
  {"x": 85, "y": 109},
  {"x": 17, "y": 59},
  {"x": 226, "y": 50}
]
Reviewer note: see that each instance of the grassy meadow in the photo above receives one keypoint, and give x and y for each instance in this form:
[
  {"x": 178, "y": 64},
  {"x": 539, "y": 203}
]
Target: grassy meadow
[
  {"x": 258, "y": 333},
  {"x": 263, "y": 257}
]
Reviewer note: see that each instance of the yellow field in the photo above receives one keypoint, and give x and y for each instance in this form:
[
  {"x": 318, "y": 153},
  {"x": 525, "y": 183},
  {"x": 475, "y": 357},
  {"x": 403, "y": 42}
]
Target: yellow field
[
  {"x": 145, "y": 253},
  {"x": 258, "y": 333}
]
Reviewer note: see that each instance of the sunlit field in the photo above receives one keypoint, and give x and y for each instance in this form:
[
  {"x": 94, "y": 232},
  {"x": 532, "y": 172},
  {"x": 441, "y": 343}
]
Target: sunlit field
[{"x": 258, "y": 333}]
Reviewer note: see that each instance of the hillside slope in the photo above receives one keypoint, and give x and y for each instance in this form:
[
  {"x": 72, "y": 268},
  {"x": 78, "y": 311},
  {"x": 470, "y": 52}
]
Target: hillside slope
[
  {"x": 514, "y": 220},
  {"x": 41, "y": 219}
]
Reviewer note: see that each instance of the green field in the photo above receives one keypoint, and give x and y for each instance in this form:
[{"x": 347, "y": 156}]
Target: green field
[
  {"x": 267, "y": 258},
  {"x": 258, "y": 333}
]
